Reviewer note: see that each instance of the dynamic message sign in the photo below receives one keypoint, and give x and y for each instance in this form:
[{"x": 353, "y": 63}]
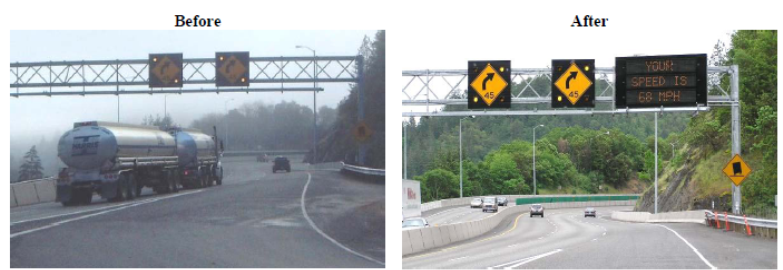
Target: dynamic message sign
[{"x": 663, "y": 80}]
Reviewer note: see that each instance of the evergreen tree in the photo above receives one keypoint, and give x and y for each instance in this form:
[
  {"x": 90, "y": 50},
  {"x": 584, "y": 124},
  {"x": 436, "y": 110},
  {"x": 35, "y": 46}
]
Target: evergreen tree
[{"x": 31, "y": 168}]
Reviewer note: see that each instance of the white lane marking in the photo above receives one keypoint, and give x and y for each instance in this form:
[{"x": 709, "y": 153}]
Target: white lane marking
[
  {"x": 514, "y": 245},
  {"x": 72, "y": 213},
  {"x": 518, "y": 263},
  {"x": 540, "y": 238},
  {"x": 101, "y": 213},
  {"x": 460, "y": 258},
  {"x": 594, "y": 239},
  {"x": 312, "y": 224},
  {"x": 692, "y": 247}
]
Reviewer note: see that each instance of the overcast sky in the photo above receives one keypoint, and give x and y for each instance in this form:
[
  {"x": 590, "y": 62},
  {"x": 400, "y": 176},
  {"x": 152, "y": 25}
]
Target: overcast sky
[
  {"x": 33, "y": 117},
  {"x": 534, "y": 47}
]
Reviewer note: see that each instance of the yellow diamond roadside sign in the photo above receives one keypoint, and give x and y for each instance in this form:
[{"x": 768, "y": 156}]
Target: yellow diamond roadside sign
[
  {"x": 362, "y": 132},
  {"x": 737, "y": 170},
  {"x": 573, "y": 83},
  {"x": 165, "y": 70},
  {"x": 489, "y": 81}
]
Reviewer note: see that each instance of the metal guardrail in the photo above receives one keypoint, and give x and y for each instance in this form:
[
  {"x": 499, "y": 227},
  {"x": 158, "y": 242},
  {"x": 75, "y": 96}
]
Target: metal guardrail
[
  {"x": 755, "y": 222},
  {"x": 364, "y": 170}
]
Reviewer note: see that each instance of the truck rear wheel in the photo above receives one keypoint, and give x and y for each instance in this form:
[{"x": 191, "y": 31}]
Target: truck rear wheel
[
  {"x": 130, "y": 192},
  {"x": 122, "y": 189}
]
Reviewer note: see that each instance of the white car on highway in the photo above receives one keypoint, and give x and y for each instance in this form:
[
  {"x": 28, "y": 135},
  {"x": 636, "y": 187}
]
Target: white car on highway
[{"x": 476, "y": 203}]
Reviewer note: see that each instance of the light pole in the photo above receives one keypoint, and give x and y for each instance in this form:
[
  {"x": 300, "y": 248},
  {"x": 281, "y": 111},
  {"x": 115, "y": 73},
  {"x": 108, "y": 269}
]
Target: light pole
[
  {"x": 165, "y": 108},
  {"x": 404, "y": 150},
  {"x": 225, "y": 132},
  {"x": 534, "y": 158},
  {"x": 315, "y": 108},
  {"x": 460, "y": 153}
]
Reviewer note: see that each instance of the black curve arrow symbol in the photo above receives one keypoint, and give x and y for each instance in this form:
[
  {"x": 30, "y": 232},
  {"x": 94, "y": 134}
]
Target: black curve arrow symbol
[
  {"x": 568, "y": 80},
  {"x": 489, "y": 77}
]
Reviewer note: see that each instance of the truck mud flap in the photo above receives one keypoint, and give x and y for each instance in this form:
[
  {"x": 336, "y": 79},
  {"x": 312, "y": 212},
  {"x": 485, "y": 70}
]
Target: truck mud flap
[
  {"x": 108, "y": 190},
  {"x": 63, "y": 193}
]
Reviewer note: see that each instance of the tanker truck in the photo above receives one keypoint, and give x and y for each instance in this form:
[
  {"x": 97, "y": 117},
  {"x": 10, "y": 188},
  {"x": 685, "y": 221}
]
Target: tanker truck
[{"x": 117, "y": 160}]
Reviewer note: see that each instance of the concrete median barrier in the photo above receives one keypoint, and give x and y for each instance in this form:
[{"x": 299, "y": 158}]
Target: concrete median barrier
[
  {"x": 25, "y": 193},
  {"x": 406, "y": 242},
  {"x": 420, "y": 240},
  {"x": 696, "y": 216},
  {"x": 33, "y": 192}
]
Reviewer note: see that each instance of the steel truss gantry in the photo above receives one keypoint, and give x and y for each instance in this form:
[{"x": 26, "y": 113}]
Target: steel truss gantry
[
  {"x": 102, "y": 77},
  {"x": 449, "y": 87}
]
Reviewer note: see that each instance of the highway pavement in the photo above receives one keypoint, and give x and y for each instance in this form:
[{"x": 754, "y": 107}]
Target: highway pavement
[
  {"x": 255, "y": 219},
  {"x": 457, "y": 214},
  {"x": 565, "y": 239}
]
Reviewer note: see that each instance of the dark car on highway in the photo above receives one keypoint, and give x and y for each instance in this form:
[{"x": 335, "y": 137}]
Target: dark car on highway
[
  {"x": 502, "y": 201},
  {"x": 281, "y": 164},
  {"x": 536, "y": 209},
  {"x": 590, "y": 212}
]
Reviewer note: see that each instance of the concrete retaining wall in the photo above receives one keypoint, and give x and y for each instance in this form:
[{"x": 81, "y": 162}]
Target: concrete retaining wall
[
  {"x": 418, "y": 240},
  {"x": 32, "y": 192}
]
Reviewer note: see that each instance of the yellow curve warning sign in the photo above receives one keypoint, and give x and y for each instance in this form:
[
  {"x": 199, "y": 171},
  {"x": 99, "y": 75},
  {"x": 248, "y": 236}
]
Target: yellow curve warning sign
[
  {"x": 165, "y": 70},
  {"x": 233, "y": 70},
  {"x": 489, "y": 84},
  {"x": 737, "y": 170},
  {"x": 573, "y": 83}
]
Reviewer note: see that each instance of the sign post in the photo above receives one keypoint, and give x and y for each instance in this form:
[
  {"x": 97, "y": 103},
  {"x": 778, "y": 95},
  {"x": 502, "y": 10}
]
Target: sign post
[{"x": 489, "y": 84}]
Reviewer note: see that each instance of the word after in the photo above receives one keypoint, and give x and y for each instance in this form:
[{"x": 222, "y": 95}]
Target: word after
[
  {"x": 196, "y": 21},
  {"x": 589, "y": 21}
]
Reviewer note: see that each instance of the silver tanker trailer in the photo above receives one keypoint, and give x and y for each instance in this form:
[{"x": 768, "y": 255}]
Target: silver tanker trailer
[{"x": 117, "y": 160}]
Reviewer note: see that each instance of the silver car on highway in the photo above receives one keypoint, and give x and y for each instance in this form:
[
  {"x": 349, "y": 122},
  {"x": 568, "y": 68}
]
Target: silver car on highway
[
  {"x": 476, "y": 203},
  {"x": 589, "y": 212},
  {"x": 413, "y": 223},
  {"x": 536, "y": 209},
  {"x": 490, "y": 204}
]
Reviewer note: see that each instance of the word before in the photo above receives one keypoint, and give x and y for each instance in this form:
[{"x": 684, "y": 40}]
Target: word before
[
  {"x": 196, "y": 21},
  {"x": 589, "y": 21}
]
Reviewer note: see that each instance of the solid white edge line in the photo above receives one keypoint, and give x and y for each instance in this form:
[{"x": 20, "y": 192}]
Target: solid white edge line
[
  {"x": 100, "y": 213},
  {"x": 312, "y": 224},
  {"x": 692, "y": 247}
]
